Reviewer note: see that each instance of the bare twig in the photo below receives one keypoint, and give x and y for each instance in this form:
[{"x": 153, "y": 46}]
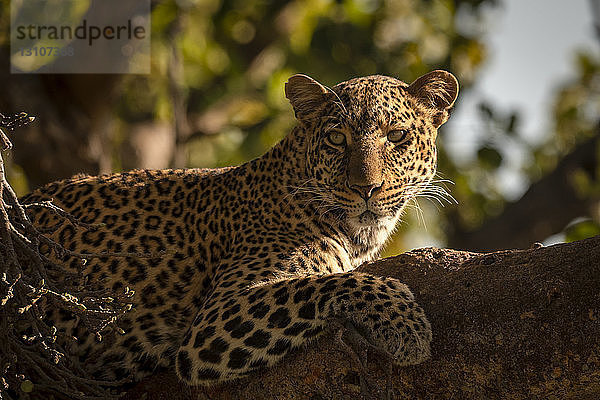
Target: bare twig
[{"x": 31, "y": 358}]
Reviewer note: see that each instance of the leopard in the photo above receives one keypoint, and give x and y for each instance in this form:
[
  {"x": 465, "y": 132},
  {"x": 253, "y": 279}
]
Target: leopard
[{"x": 254, "y": 261}]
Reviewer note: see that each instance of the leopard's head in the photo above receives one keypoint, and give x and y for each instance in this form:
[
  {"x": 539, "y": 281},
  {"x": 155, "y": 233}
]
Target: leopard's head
[{"x": 370, "y": 144}]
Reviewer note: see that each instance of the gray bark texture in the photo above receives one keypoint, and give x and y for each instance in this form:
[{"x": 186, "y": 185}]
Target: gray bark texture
[{"x": 513, "y": 324}]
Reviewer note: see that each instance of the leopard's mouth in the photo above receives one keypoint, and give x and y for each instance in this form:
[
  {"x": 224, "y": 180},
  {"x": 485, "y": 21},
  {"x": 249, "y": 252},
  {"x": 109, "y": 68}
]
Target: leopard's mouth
[{"x": 367, "y": 218}]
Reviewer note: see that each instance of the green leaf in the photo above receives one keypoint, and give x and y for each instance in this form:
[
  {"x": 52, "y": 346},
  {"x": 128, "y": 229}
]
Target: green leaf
[
  {"x": 489, "y": 158},
  {"x": 582, "y": 230}
]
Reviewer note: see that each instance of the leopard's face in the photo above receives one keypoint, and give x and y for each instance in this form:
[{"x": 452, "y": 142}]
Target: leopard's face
[{"x": 370, "y": 149}]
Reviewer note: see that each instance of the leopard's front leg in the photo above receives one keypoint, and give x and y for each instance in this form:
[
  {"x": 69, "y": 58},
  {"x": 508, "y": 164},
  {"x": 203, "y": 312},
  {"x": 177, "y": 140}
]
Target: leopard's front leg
[{"x": 241, "y": 330}]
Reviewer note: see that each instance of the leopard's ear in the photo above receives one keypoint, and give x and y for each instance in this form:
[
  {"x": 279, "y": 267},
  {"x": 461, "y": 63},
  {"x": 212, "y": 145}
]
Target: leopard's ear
[
  {"x": 437, "y": 90},
  {"x": 305, "y": 95}
]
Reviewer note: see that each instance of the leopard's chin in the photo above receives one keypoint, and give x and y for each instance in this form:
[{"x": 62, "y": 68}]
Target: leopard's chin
[
  {"x": 371, "y": 222},
  {"x": 370, "y": 229},
  {"x": 369, "y": 218}
]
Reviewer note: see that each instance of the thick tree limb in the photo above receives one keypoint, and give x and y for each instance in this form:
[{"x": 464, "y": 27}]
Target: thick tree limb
[{"x": 513, "y": 324}]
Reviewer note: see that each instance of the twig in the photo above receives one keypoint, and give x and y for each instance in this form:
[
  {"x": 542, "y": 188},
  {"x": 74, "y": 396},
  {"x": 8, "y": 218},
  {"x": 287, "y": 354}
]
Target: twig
[
  {"x": 62, "y": 213},
  {"x": 29, "y": 349}
]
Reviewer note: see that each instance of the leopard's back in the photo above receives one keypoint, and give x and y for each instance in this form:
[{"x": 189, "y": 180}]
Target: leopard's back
[{"x": 153, "y": 232}]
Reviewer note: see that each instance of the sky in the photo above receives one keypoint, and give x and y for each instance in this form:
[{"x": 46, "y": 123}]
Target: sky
[{"x": 531, "y": 51}]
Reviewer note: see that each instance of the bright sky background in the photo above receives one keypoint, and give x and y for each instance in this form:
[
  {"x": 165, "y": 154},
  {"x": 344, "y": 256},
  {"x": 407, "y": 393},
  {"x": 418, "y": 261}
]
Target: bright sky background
[{"x": 531, "y": 46}]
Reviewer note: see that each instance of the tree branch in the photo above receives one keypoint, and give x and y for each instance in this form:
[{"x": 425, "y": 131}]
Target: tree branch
[
  {"x": 510, "y": 324},
  {"x": 33, "y": 359}
]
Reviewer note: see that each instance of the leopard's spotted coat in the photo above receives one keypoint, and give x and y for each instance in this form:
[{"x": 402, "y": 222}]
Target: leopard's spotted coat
[{"x": 258, "y": 258}]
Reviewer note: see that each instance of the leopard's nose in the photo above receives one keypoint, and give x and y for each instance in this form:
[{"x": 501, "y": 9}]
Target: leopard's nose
[{"x": 366, "y": 191}]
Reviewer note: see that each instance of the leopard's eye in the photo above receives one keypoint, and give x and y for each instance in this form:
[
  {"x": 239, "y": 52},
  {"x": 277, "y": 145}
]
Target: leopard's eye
[
  {"x": 397, "y": 136},
  {"x": 336, "y": 138}
]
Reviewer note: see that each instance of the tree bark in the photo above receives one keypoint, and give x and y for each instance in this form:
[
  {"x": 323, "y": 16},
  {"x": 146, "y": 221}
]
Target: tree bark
[{"x": 514, "y": 324}]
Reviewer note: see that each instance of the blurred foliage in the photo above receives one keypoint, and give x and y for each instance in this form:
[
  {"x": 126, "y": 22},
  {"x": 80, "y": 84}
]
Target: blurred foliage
[
  {"x": 503, "y": 148},
  {"x": 236, "y": 56},
  {"x": 576, "y": 112},
  {"x": 581, "y": 230}
]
